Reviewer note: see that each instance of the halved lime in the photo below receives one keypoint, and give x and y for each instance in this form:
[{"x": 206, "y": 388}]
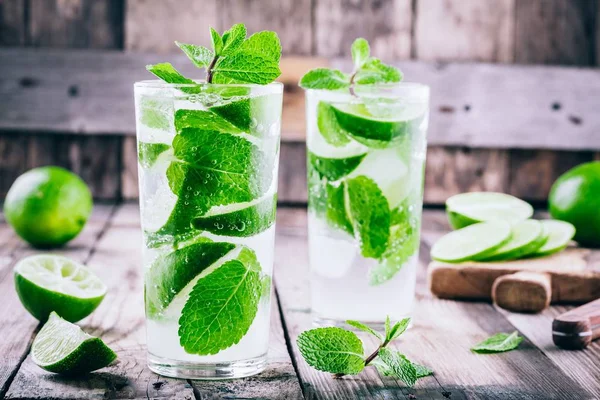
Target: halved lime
[
  {"x": 527, "y": 237},
  {"x": 63, "y": 348},
  {"x": 366, "y": 128},
  {"x": 560, "y": 234},
  {"x": 475, "y": 242},
  {"x": 469, "y": 208},
  {"x": 47, "y": 283}
]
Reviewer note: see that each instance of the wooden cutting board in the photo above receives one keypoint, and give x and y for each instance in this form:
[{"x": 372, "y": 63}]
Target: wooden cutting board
[{"x": 571, "y": 276}]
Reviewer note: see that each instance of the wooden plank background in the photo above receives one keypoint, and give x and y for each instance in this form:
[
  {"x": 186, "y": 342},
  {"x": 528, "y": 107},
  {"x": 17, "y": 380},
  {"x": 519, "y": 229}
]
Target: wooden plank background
[{"x": 559, "y": 32}]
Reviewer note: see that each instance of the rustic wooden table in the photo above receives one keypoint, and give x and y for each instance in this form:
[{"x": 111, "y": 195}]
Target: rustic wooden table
[{"x": 442, "y": 335}]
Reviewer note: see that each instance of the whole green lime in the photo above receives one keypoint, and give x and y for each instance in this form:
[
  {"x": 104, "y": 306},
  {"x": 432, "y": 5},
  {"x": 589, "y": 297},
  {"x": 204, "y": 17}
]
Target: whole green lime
[
  {"x": 48, "y": 206},
  {"x": 575, "y": 198}
]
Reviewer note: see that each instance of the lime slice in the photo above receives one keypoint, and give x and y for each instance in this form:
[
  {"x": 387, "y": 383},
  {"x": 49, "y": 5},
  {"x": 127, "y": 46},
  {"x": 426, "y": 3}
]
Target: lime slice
[
  {"x": 254, "y": 115},
  {"x": 475, "y": 242},
  {"x": 527, "y": 237},
  {"x": 64, "y": 348},
  {"x": 469, "y": 208},
  {"x": 47, "y": 283},
  {"x": 560, "y": 234},
  {"x": 366, "y": 128}
]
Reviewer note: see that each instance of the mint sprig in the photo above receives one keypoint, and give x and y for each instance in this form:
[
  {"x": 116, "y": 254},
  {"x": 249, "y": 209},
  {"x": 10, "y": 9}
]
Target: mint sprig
[
  {"x": 234, "y": 59},
  {"x": 498, "y": 343},
  {"x": 340, "y": 352},
  {"x": 367, "y": 71}
]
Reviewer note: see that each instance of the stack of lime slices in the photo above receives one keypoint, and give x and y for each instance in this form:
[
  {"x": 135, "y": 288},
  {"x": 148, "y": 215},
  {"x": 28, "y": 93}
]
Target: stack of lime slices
[{"x": 496, "y": 227}]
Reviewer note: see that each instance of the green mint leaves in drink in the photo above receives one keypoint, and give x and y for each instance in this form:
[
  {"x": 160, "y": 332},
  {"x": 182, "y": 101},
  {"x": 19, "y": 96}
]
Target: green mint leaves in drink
[
  {"x": 367, "y": 70},
  {"x": 498, "y": 343},
  {"x": 340, "y": 352},
  {"x": 233, "y": 59}
]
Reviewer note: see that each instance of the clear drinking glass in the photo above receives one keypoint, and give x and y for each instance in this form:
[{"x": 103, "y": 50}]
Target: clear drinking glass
[
  {"x": 366, "y": 154},
  {"x": 208, "y": 159}
]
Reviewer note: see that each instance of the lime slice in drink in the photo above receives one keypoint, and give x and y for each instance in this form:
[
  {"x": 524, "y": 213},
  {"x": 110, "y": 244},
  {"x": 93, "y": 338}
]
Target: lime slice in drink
[
  {"x": 469, "y": 208},
  {"x": 47, "y": 283},
  {"x": 366, "y": 128},
  {"x": 475, "y": 242},
  {"x": 527, "y": 237},
  {"x": 253, "y": 115},
  {"x": 560, "y": 234},
  {"x": 63, "y": 348}
]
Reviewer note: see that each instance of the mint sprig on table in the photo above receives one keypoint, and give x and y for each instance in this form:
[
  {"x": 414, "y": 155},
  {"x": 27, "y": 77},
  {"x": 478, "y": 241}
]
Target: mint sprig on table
[
  {"x": 367, "y": 71},
  {"x": 498, "y": 343},
  {"x": 340, "y": 352},
  {"x": 234, "y": 59}
]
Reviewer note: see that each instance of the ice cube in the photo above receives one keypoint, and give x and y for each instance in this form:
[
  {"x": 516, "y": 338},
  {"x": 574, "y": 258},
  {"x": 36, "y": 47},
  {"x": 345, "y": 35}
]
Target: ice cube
[{"x": 331, "y": 251}]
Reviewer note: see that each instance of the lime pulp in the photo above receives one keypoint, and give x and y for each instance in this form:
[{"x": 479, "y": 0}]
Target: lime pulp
[
  {"x": 527, "y": 237},
  {"x": 469, "y": 208},
  {"x": 560, "y": 234}
]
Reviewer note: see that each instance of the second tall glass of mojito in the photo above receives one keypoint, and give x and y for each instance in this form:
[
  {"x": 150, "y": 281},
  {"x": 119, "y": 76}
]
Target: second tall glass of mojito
[
  {"x": 208, "y": 158},
  {"x": 366, "y": 154}
]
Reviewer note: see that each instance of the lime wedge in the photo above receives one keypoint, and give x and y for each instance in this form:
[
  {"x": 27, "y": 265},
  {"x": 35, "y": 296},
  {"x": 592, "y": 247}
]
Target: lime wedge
[
  {"x": 560, "y": 234},
  {"x": 527, "y": 237},
  {"x": 469, "y": 208},
  {"x": 475, "y": 242},
  {"x": 366, "y": 128},
  {"x": 47, "y": 283},
  {"x": 63, "y": 348}
]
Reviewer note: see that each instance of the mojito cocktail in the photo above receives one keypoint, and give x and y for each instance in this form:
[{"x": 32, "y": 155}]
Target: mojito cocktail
[{"x": 366, "y": 153}]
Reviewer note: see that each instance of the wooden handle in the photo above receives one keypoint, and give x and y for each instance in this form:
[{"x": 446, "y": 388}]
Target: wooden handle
[
  {"x": 523, "y": 291},
  {"x": 577, "y": 328}
]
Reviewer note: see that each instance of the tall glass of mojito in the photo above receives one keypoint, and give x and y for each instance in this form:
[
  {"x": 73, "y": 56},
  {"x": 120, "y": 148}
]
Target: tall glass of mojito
[
  {"x": 366, "y": 145},
  {"x": 208, "y": 156}
]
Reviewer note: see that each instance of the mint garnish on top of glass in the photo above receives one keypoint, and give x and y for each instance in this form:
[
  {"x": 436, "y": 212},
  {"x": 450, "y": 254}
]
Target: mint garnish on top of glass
[
  {"x": 367, "y": 71},
  {"x": 234, "y": 59}
]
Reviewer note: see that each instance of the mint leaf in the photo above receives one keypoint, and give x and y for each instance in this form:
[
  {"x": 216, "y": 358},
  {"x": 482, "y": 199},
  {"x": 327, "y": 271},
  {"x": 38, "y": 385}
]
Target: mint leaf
[
  {"x": 148, "y": 153},
  {"x": 169, "y": 274},
  {"x": 328, "y": 126},
  {"x": 360, "y": 52},
  {"x": 246, "y": 113},
  {"x": 334, "y": 168},
  {"x": 212, "y": 169},
  {"x": 156, "y": 113},
  {"x": 398, "y": 329},
  {"x": 332, "y": 350},
  {"x": 498, "y": 343},
  {"x": 370, "y": 215},
  {"x": 365, "y": 328},
  {"x": 422, "y": 371},
  {"x": 323, "y": 78},
  {"x": 204, "y": 120},
  {"x": 399, "y": 366},
  {"x": 240, "y": 222},
  {"x": 255, "y": 61},
  {"x": 221, "y": 306},
  {"x": 374, "y": 71},
  {"x": 336, "y": 208},
  {"x": 217, "y": 41},
  {"x": 233, "y": 38},
  {"x": 169, "y": 74},
  {"x": 200, "y": 55}
]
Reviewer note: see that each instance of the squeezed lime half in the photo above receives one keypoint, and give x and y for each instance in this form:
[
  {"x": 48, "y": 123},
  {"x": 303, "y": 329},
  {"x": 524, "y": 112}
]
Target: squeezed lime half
[
  {"x": 560, "y": 234},
  {"x": 63, "y": 348},
  {"x": 469, "y": 208},
  {"x": 474, "y": 242},
  {"x": 526, "y": 238},
  {"x": 47, "y": 283}
]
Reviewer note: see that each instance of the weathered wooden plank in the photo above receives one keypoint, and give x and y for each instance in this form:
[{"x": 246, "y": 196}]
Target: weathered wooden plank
[
  {"x": 291, "y": 19},
  {"x": 386, "y": 24},
  {"x": 13, "y": 26},
  {"x": 17, "y": 326},
  {"x": 441, "y": 337},
  {"x": 76, "y": 23},
  {"x": 555, "y": 32},
  {"x": 466, "y": 30},
  {"x": 292, "y": 173},
  {"x": 129, "y": 169},
  {"x": 13, "y": 158},
  {"x": 532, "y": 173},
  {"x": 90, "y": 92},
  {"x": 153, "y": 26},
  {"x": 451, "y": 171}
]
